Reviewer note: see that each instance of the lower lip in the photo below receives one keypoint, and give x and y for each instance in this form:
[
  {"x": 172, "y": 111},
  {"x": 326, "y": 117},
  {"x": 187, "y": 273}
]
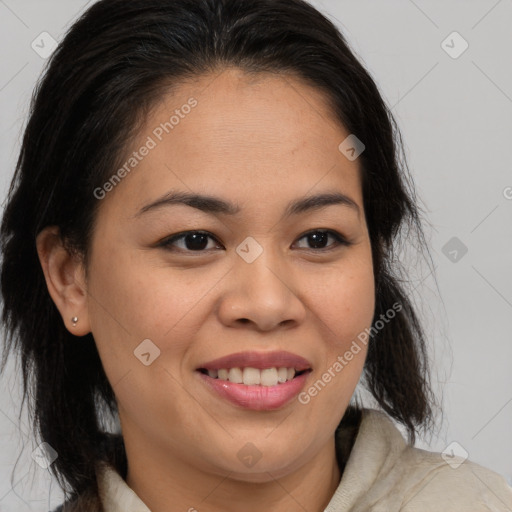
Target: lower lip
[{"x": 257, "y": 398}]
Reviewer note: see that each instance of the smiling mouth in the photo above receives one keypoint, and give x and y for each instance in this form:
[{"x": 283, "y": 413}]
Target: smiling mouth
[{"x": 254, "y": 376}]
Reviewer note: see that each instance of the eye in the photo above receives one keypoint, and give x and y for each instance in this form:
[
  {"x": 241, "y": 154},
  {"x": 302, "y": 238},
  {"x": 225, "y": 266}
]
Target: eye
[
  {"x": 195, "y": 241},
  {"x": 318, "y": 238}
]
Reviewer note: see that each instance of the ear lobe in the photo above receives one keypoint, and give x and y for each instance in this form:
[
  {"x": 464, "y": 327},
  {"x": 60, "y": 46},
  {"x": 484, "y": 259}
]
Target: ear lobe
[{"x": 65, "y": 278}]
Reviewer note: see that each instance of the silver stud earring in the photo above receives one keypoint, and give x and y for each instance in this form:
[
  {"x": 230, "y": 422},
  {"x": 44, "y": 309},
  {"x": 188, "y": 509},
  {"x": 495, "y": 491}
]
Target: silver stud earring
[{"x": 74, "y": 320}]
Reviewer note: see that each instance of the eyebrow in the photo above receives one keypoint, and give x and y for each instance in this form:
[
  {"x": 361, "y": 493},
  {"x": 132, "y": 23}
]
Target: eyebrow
[{"x": 210, "y": 204}]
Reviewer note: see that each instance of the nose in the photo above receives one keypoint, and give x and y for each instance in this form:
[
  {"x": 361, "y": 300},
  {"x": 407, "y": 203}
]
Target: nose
[{"x": 261, "y": 294}]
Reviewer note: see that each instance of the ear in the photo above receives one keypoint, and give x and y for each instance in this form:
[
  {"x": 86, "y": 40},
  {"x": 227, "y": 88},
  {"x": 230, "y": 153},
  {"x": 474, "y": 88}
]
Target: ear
[{"x": 65, "y": 278}]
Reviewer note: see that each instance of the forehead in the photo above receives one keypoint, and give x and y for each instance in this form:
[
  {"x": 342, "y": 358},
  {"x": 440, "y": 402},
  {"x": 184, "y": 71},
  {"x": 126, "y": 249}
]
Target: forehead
[
  {"x": 249, "y": 110},
  {"x": 232, "y": 134}
]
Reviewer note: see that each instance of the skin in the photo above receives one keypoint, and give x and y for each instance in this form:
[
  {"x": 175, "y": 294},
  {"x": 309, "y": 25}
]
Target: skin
[{"x": 259, "y": 142}]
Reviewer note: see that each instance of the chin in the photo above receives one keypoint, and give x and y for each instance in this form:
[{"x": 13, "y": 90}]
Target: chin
[
  {"x": 260, "y": 469},
  {"x": 264, "y": 474}
]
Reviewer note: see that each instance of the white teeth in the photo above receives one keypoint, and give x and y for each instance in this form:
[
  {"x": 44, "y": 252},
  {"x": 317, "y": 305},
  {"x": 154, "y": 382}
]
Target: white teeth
[
  {"x": 235, "y": 375},
  {"x": 282, "y": 375},
  {"x": 253, "y": 376},
  {"x": 269, "y": 377}
]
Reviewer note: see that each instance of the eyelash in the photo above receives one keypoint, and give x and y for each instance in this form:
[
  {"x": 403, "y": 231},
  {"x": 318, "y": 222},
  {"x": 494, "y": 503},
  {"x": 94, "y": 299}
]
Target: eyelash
[{"x": 340, "y": 240}]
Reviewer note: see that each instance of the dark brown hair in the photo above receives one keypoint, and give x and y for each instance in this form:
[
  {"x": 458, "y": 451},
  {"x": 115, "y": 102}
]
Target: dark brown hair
[{"x": 113, "y": 64}]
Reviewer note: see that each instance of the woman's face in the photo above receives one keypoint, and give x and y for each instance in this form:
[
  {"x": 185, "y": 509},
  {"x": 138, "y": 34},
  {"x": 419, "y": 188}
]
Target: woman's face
[{"x": 254, "y": 283}]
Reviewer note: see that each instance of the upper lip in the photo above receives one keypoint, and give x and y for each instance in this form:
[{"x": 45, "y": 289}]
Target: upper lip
[{"x": 260, "y": 360}]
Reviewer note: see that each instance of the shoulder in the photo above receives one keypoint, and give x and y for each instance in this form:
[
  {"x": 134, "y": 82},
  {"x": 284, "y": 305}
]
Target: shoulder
[
  {"x": 435, "y": 480},
  {"x": 384, "y": 469},
  {"x": 86, "y": 502}
]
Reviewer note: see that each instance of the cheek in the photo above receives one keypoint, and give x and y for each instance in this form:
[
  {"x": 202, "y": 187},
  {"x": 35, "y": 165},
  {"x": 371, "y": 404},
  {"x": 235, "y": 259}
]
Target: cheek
[
  {"x": 344, "y": 307},
  {"x": 131, "y": 303},
  {"x": 344, "y": 310},
  {"x": 357, "y": 304},
  {"x": 343, "y": 302},
  {"x": 143, "y": 299}
]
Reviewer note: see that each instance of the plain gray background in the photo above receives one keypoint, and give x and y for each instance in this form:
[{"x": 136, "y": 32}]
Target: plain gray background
[{"x": 455, "y": 113}]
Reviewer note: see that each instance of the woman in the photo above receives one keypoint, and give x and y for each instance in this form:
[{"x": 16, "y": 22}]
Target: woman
[{"x": 231, "y": 365}]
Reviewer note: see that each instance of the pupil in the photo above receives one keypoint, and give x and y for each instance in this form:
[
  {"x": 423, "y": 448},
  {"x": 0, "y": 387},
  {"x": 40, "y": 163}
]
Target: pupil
[
  {"x": 196, "y": 241},
  {"x": 318, "y": 237}
]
